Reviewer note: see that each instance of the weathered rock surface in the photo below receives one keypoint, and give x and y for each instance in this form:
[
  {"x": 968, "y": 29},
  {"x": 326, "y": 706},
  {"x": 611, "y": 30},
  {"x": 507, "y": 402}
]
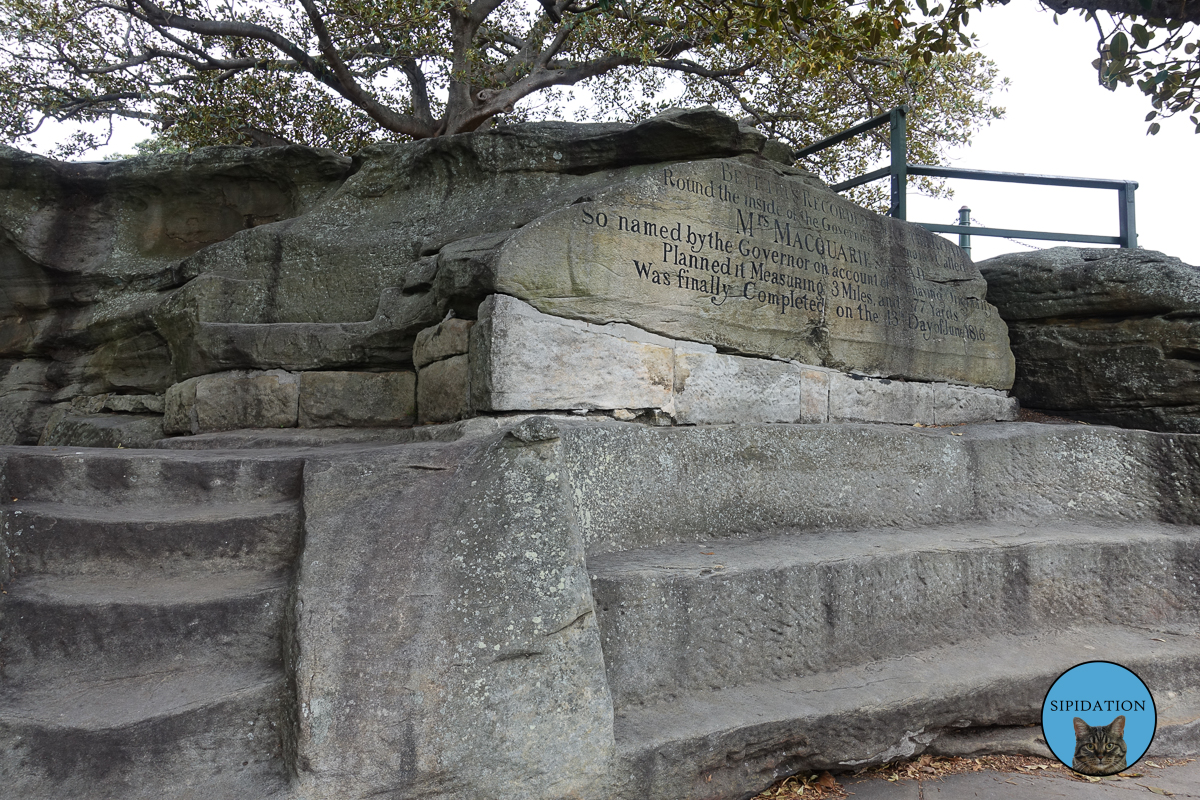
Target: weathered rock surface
[
  {"x": 761, "y": 259},
  {"x": 128, "y": 278},
  {"x": 357, "y": 399},
  {"x": 524, "y": 360},
  {"x": 230, "y": 400},
  {"x": 1106, "y": 335},
  {"x": 444, "y": 390},
  {"x": 104, "y": 430},
  {"x": 575, "y": 608},
  {"x": 88, "y": 251},
  {"x": 451, "y": 337}
]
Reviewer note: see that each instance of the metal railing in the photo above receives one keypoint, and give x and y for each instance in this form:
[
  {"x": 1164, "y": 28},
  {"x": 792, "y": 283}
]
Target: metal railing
[{"x": 899, "y": 169}]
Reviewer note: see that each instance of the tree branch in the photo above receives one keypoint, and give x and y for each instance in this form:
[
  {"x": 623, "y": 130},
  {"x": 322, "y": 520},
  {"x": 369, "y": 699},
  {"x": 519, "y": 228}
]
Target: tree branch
[{"x": 1180, "y": 10}]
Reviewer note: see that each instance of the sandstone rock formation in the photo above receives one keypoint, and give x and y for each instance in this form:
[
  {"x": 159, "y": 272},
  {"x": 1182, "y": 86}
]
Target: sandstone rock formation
[
  {"x": 249, "y": 270},
  {"x": 1104, "y": 335},
  {"x": 578, "y": 608},
  {"x": 89, "y": 251}
]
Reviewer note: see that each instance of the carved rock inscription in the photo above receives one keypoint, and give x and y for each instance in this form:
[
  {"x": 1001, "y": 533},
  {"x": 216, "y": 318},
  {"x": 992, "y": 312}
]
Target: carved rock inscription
[{"x": 764, "y": 260}]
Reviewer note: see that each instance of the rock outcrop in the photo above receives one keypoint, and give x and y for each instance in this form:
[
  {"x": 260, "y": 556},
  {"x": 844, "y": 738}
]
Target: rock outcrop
[
  {"x": 254, "y": 268},
  {"x": 89, "y": 251},
  {"x": 1109, "y": 336}
]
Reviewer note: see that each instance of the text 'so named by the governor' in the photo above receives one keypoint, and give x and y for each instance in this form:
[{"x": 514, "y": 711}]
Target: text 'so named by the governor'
[{"x": 764, "y": 261}]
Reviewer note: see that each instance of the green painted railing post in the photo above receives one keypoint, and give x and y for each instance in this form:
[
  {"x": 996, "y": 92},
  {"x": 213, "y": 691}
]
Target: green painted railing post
[
  {"x": 899, "y": 168},
  {"x": 1128, "y": 217},
  {"x": 964, "y": 239}
]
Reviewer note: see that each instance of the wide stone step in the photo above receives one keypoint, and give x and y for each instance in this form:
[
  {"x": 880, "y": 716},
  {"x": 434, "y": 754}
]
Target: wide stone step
[
  {"x": 734, "y": 742},
  {"x": 102, "y": 478},
  {"x": 93, "y": 625},
  {"x": 65, "y": 539},
  {"x": 210, "y": 733},
  {"x": 689, "y": 618}
]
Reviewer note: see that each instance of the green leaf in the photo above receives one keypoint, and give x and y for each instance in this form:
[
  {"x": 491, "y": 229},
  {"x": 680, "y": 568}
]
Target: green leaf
[
  {"x": 1141, "y": 36},
  {"x": 1151, "y": 115},
  {"x": 1119, "y": 46},
  {"x": 1154, "y": 129}
]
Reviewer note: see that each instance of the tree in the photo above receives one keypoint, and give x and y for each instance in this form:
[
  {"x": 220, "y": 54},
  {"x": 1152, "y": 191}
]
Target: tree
[
  {"x": 343, "y": 73},
  {"x": 1140, "y": 42}
]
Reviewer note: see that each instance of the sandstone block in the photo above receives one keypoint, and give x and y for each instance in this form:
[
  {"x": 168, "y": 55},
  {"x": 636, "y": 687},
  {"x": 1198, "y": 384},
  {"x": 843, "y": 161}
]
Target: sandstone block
[
  {"x": 104, "y": 430},
  {"x": 356, "y": 399},
  {"x": 444, "y": 390},
  {"x": 761, "y": 260},
  {"x": 448, "y": 338},
  {"x": 957, "y": 404},
  {"x": 854, "y": 398},
  {"x": 522, "y": 359},
  {"x": 713, "y": 389},
  {"x": 814, "y": 394},
  {"x": 232, "y": 400},
  {"x": 135, "y": 403},
  {"x": 179, "y": 406}
]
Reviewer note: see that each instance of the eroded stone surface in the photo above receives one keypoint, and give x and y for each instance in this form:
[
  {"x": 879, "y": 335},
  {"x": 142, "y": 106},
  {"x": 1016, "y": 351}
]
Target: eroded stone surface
[
  {"x": 88, "y": 251},
  {"x": 524, "y": 360},
  {"x": 444, "y": 390},
  {"x": 132, "y": 278},
  {"x": 711, "y": 388},
  {"x": 227, "y": 401},
  {"x": 356, "y": 399},
  {"x": 405, "y": 687},
  {"x": 448, "y": 338},
  {"x": 1108, "y": 335},
  {"x": 103, "y": 430},
  {"x": 762, "y": 260}
]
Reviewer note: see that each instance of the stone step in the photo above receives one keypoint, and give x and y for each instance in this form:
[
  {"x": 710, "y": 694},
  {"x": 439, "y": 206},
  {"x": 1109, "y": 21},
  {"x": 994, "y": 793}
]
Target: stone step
[
  {"x": 64, "y": 539},
  {"x": 734, "y": 742},
  {"x": 94, "y": 625},
  {"x": 210, "y": 732},
  {"x": 102, "y": 478},
  {"x": 686, "y": 618}
]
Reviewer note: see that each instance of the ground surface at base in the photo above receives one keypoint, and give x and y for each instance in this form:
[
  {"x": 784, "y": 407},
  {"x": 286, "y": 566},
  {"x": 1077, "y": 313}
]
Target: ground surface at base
[{"x": 1182, "y": 781}]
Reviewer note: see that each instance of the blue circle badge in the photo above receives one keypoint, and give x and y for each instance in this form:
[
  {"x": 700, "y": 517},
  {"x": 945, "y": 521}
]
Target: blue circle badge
[{"x": 1098, "y": 718}]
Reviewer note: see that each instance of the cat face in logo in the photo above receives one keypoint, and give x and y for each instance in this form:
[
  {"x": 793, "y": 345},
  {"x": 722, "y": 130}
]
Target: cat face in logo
[{"x": 1099, "y": 750}]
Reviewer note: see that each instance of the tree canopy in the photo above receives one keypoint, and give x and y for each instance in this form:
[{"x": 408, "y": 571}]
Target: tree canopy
[
  {"x": 346, "y": 73},
  {"x": 337, "y": 71}
]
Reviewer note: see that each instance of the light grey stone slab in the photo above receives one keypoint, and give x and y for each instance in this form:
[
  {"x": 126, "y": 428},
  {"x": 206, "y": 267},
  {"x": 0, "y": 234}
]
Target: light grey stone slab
[
  {"x": 711, "y": 388},
  {"x": 522, "y": 359},
  {"x": 854, "y": 398},
  {"x": 444, "y": 390},
  {"x": 958, "y": 404},
  {"x": 448, "y": 338},
  {"x": 356, "y": 399},
  {"x": 814, "y": 394}
]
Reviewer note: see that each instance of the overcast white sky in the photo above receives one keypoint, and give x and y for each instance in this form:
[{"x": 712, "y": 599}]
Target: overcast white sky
[{"x": 1059, "y": 122}]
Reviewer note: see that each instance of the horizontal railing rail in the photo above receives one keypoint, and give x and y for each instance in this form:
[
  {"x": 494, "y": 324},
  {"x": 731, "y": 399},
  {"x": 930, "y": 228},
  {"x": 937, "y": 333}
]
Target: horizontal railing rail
[{"x": 899, "y": 169}]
